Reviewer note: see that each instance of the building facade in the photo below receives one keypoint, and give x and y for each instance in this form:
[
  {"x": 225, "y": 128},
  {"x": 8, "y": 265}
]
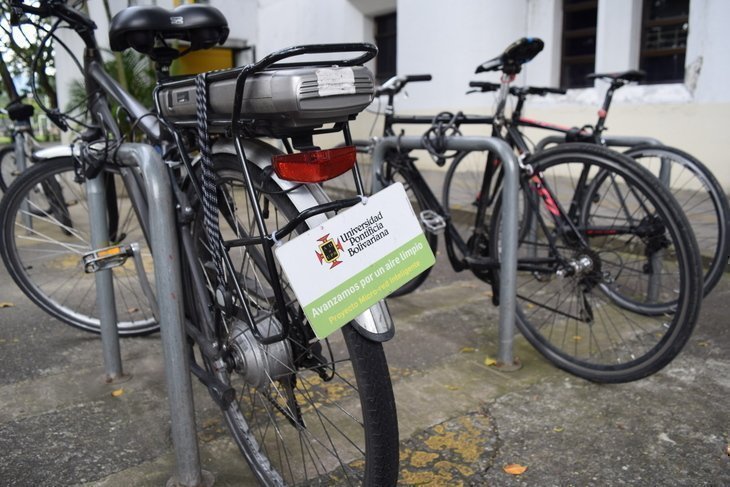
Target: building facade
[{"x": 680, "y": 43}]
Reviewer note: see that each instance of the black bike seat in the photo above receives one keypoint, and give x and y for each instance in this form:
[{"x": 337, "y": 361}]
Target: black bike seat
[
  {"x": 516, "y": 54},
  {"x": 138, "y": 27},
  {"x": 18, "y": 111},
  {"x": 631, "y": 75}
]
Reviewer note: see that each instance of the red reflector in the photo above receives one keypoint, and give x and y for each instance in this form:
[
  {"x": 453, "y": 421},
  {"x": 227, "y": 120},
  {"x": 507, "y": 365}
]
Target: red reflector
[{"x": 314, "y": 166}]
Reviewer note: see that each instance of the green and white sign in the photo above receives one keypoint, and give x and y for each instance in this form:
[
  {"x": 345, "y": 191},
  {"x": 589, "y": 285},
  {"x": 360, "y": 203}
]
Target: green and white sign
[{"x": 350, "y": 262}]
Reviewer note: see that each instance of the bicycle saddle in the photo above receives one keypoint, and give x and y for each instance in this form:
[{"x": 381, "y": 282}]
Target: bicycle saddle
[
  {"x": 632, "y": 75},
  {"x": 19, "y": 111},
  {"x": 138, "y": 27},
  {"x": 516, "y": 54}
]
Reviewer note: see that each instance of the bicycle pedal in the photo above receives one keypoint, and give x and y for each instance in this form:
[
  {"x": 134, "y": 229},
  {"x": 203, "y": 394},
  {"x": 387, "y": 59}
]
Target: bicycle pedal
[
  {"x": 432, "y": 221},
  {"x": 107, "y": 258}
]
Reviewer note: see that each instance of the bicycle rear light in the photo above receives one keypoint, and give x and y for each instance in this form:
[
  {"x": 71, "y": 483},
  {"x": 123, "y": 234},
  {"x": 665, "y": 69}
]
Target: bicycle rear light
[{"x": 314, "y": 166}]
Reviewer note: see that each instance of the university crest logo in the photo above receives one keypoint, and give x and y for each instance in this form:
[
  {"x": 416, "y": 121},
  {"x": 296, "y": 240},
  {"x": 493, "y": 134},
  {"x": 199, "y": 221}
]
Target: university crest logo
[{"x": 329, "y": 251}]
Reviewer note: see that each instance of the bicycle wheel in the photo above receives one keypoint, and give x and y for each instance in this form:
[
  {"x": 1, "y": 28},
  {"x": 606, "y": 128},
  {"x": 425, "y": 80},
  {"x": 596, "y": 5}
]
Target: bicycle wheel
[
  {"x": 393, "y": 172},
  {"x": 343, "y": 186},
  {"x": 8, "y": 171},
  {"x": 590, "y": 286},
  {"x": 461, "y": 196},
  {"x": 702, "y": 199},
  {"x": 306, "y": 411},
  {"x": 44, "y": 219}
]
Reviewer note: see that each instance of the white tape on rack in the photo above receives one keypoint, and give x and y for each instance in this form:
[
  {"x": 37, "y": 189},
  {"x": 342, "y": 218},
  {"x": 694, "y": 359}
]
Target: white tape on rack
[{"x": 336, "y": 81}]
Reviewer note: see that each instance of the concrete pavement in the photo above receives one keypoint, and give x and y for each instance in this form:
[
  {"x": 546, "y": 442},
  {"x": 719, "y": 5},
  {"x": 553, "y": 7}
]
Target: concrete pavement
[{"x": 461, "y": 421}]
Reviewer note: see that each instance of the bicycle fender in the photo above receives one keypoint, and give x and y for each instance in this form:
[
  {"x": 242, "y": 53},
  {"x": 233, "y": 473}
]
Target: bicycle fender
[
  {"x": 375, "y": 324},
  {"x": 53, "y": 152}
]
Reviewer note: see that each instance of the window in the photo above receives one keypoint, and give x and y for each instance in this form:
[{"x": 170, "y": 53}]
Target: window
[
  {"x": 664, "y": 40},
  {"x": 579, "y": 42},
  {"x": 385, "y": 39}
]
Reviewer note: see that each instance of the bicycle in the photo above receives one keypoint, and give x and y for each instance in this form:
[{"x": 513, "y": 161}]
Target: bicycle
[
  {"x": 300, "y": 409},
  {"x": 608, "y": 283},
  {"x": 347, "y": 184},
  {"x": 696, "y": 189},
  {"x": 53, "y": 214}
]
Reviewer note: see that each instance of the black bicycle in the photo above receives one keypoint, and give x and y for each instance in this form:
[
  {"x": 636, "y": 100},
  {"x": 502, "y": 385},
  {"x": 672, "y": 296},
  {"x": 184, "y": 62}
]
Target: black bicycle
[
  {"x": 608, "y": 280},
  {"x": 692, "y": 184}
]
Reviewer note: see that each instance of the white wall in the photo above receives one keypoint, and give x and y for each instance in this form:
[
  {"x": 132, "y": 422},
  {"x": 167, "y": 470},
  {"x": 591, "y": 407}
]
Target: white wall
[
  {"x": 449, "y": 40},
  {"x": 285, "y": 23},
  {"x": 707, "y": 50},
  {"x": 618, "y": 35}
]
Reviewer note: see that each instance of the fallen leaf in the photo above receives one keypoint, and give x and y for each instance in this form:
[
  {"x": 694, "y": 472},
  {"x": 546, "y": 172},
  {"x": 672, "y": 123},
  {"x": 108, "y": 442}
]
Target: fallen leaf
[
  {"x": 452, "y": 388},
  {"x": 514, "y": 469},
  {"x": 577, "y": 338},
  {"x": 489, "y": 361},
  {"x": 703, "y": 344},
  {"x": 6, "y": 305},
  {"x": 558, "y": 429},
  {"x": 468, "y": 350},
  {"x": 117, "y": 392},
  {"x": 133, "y": 310}
]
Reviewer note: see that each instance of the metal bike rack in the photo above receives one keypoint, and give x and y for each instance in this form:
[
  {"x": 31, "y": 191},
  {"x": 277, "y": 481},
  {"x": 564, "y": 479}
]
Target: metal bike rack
[
  {"x": 508, "y": 265},
  {"x": 168, "y": 279},
  {"x": 617, "y": 141},
  {"x": 96, "y": 197}
]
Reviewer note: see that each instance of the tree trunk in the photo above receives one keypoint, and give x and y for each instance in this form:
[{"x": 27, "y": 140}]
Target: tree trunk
[{"x": 7, "y": 80}]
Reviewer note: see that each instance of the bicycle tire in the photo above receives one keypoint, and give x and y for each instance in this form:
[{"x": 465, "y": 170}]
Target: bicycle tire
[
  {"x": 7, "y": 167},
  {"x": 284, "y": 415},
  {"x": 43, "y": 245},
  {"x": 390, "y": 173},
  {"x": 577, "y": 322},
  {"x": 702, "y": 199}
]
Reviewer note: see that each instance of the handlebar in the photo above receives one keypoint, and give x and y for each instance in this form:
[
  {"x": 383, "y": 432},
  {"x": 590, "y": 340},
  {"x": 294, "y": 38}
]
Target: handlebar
[
  {"x": 486, "y": 86},
  {"x": 52, "y": 8},
  {"x": 394, "y": 85}
]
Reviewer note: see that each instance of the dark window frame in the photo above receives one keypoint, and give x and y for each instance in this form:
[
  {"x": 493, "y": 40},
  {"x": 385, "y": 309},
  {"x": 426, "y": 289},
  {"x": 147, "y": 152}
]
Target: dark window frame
[
  {"x": 646, "y": 54},
  {"x": 567, "y": 61},
  {"x": 386, "y": 38}
]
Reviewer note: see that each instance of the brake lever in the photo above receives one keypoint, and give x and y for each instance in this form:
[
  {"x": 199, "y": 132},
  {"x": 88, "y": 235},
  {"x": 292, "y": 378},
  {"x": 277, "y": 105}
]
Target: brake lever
[{"x": 57, "y": 118}]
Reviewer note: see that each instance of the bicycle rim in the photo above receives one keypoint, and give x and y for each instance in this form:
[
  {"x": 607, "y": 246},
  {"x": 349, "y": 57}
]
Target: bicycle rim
[
  {"x": 305, "y": 411},
  {"x": 600, "y": 320},
  {"x": 702, "y": 199},
  {"x": 45, "y": 222}
]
